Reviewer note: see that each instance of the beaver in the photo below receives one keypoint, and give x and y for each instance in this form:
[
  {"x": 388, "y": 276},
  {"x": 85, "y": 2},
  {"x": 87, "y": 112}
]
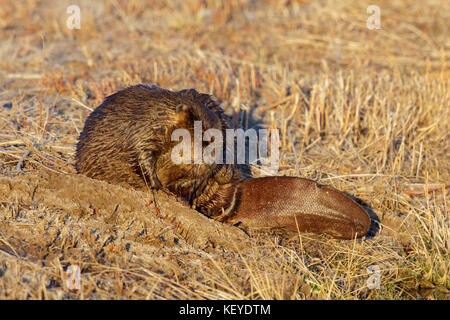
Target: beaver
[{"x": 127, "y": 140}]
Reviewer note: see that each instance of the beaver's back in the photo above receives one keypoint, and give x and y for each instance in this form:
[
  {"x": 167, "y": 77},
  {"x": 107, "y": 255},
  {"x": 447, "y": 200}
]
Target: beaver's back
[{"x": 124, "y": 136}]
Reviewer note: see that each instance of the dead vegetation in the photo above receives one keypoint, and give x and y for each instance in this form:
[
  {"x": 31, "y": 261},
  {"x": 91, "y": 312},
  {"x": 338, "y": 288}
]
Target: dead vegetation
[{"x": 366, "y": 111}]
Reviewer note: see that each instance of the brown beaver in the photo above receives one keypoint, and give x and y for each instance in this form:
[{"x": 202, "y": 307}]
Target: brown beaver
[{"x": 127, "y": 140}]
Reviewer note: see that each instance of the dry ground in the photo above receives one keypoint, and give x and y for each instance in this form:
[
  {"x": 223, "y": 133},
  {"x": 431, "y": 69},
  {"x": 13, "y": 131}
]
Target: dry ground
[{"x": 366, "y": 111}]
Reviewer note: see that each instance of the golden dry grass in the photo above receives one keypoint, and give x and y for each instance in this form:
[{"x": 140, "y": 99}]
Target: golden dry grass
[{"x": 366, "y": 111}]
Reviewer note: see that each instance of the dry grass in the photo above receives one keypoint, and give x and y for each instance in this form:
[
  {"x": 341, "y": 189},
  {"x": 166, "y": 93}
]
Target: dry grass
[{"x": 366, "y": 111}]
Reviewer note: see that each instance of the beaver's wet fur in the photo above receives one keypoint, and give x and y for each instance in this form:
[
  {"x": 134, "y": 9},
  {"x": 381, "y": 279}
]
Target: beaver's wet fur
[{"x": 127, "y": 141}]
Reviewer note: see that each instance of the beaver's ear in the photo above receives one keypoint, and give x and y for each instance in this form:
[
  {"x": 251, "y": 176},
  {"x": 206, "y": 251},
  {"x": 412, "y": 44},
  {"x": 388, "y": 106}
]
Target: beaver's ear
[
  {"x": 179, "y": 108},
  {"x": 184, "y": 115},
  {"x": 188, "y": 113}
]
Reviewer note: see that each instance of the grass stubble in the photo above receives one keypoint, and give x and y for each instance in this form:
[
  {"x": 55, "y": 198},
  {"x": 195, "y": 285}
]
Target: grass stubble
[{"x": 366, "y": 111}]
